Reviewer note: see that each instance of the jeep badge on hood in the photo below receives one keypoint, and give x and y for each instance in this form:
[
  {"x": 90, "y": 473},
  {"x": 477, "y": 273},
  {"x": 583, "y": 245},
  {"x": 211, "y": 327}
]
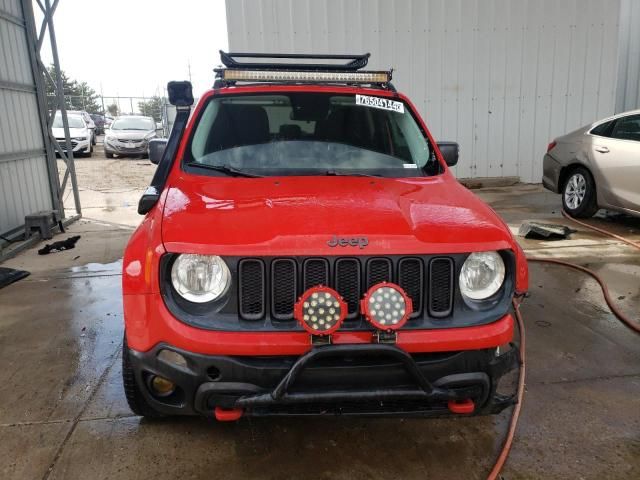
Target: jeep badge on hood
[{"x": 346, "y": 242}]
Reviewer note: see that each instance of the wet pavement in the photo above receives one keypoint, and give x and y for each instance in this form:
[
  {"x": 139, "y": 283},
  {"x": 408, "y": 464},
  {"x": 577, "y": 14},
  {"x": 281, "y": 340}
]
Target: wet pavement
[{"x": 63, "y": 414}]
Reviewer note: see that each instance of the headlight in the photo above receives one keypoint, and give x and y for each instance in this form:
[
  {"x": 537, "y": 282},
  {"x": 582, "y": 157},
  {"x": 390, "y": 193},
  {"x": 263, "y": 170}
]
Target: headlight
[
  {"x": 79, "y": 139},
  {"x": 110, "y": 139},
  {"x": 482, "y": 275},
  {"x": 200, "y": 278}
]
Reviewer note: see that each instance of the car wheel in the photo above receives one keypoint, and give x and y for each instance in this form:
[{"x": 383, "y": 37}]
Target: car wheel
[
  {"x": 579, "y": 194},
  {"x": 135, "y": 399},
  {"x": 108, "y": 154},
  {"x": 88, "y": 152}
]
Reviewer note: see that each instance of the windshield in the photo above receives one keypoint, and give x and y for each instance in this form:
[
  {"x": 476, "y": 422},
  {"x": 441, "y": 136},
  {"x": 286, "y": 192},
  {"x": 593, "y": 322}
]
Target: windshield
[
  {"x": 311, "y": 134},
  {"x": 133, "y": 123},
  {"x": 75, "y": 121}
]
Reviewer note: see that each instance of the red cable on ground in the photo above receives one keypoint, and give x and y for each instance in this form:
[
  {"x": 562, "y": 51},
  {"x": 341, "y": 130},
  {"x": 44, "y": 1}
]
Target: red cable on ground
[
  {"x": 614, "y": 308},
  {"x": 504, "y": 453},
  {"x": 602, "y": 231},
  {"x": 513, "y": 423}
]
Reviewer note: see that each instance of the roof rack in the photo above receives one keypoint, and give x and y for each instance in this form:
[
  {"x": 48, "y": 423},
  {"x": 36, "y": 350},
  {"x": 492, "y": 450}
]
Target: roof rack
[
  {"x": 269, "y": 71},
  {"x": 357, "y": 61}
]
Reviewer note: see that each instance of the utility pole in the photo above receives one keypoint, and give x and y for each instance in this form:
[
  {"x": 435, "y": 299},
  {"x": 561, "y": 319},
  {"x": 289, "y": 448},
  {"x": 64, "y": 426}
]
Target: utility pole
[{"x": 189, "y": 67}]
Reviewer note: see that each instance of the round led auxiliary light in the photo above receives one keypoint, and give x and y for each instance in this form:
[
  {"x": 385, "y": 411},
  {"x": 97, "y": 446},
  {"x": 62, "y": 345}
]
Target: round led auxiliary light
[
  {"x": 386, "y": 306},
  {"x": 320, "y": 310}
]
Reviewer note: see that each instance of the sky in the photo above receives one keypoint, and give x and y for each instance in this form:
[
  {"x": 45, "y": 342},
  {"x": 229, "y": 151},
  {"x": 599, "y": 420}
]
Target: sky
[{"x": 134, "y": 47}]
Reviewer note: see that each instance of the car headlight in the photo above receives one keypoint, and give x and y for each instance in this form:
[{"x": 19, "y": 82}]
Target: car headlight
[
  {"x": 79, "y": 139},
  {"x": 110, "y": 139},
  {"x": 200, "y": 278},
  {"x": 482, "y": 275}
]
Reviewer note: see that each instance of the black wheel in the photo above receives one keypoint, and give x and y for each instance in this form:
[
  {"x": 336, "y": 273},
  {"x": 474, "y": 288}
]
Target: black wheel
[
  {"x": 579, "y": 194},
  {"x": 135, "y": 399},
  {"x": 108, "y": 154}
]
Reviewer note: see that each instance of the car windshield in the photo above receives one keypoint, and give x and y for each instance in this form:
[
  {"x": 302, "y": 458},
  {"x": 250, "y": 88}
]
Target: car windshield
[
  {"x": 75, "y": 121},
  {"x": 133, "y": 123},
  {"x": 311, "y": 134}
]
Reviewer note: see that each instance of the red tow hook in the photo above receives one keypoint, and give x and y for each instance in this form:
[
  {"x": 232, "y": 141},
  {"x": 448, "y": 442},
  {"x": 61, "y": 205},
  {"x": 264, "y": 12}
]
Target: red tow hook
[
  {"x": 461, "y": 406},
  {"x": 228, "y": 414}
]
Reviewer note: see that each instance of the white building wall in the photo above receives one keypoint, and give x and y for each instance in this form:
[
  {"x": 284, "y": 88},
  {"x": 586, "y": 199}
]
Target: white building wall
[
  {"x": 628, "y": 91},
  {"x": 501, "y": 77}
]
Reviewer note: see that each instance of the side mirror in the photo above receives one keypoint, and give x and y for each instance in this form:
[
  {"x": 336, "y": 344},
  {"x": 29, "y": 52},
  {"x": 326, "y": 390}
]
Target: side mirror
[
  {"x": 156, "y": 149},
  {"x": 450, "y": 152}
]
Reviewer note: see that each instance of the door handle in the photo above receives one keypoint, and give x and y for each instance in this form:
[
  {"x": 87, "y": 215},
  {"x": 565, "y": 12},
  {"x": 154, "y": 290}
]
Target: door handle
[{"x": 602, "y": 149}]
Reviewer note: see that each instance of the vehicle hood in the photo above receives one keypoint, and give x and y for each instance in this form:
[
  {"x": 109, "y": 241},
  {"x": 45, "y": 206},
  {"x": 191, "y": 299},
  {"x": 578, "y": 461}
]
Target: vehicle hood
[
  {"x": 73, "y": 132},
  {"x": 300, "y": 215},
  {"x": 130, "y": 134}
]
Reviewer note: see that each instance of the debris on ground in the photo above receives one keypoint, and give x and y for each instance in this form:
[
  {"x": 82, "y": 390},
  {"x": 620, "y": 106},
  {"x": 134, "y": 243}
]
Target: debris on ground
[
  {"x": 67, "y": 244},
  {"x": 544, "y": 231},
  {"x": 10, "y": 275}
]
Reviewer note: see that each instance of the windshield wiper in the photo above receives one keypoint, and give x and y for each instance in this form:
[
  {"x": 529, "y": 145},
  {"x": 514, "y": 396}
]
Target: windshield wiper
[
  {"x": 339, "y": 173},
  {"x": 234, "y": 172}
]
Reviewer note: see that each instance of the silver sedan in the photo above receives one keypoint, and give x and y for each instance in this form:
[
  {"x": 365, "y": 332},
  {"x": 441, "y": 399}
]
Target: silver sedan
[{"x": 597, "y": 166}]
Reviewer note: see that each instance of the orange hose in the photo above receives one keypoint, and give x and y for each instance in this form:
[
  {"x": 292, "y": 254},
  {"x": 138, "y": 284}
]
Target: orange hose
[
  {"x": 614, "y": 308},
  {"x": 506, "y": 448},
  {"x": 513, "y": 423},
  {"x": 602, "y": 231}
]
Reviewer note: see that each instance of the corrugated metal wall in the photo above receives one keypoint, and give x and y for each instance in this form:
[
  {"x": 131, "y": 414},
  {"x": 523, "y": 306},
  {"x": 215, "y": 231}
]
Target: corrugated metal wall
[
  {"x": 628, "y": 93},
  {"x": 501, "y": 77},
  {"x": 24, "y": 180}
]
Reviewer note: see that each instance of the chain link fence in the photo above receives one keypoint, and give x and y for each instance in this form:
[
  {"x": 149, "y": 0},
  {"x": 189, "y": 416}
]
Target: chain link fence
[{"x": 110, "y": 107}]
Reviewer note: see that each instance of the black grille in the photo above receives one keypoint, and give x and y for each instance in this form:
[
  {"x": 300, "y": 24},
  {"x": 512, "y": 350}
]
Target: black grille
[
  {"x": 411, "y": 279},
  {"x": 378, "y": 270},
  {"x": 273, "y": 285},
  {"x": 315, "y": 272},
  {"x": 284, "y": 282},
  {"x": 252, "y": 289},
  {"x": 348, "y": 283},
  {"x": 440, "y": 287}
]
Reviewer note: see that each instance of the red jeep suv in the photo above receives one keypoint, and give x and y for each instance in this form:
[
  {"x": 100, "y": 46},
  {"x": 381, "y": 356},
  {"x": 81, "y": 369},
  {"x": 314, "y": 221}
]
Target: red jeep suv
[{"x": 306, "y": 250}]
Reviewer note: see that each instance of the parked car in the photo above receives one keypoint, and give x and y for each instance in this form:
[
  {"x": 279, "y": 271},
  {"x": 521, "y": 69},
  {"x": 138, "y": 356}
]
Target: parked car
[
  {"x": 597, "y": 166},
  {"x": 99, "y": 121},
  {"x": 129, "y": 135},
  {"x": 79, "y": 133},
  {"x": 88, "y": 120},
  {"x": 306, "y": 250}
]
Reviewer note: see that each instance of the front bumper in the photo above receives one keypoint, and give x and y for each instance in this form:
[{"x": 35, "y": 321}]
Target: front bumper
[
  {"x": 364, "y": 379},
  {"x": 76, "y": 145},
  {"x": 121, "y": 149}
]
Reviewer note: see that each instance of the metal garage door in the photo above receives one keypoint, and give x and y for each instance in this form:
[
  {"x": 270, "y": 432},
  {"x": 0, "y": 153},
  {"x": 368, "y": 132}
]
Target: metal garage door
[{"x": 24, "y": 176}]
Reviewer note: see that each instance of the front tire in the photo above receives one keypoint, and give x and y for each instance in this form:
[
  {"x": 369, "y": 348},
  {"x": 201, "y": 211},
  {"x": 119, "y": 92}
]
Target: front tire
[
  {"x": 579, "y": 194},
  {"x": 108, "y": 154},
  {"x": 135, "y": 399}
]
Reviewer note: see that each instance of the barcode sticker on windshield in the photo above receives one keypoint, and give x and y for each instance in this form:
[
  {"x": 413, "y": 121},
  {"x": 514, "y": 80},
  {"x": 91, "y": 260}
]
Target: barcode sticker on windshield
[{"x": 378, "y": 102}]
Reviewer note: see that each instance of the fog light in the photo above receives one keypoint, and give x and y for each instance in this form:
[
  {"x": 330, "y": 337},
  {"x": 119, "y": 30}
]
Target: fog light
[
  {"x": 161, "y": 386},
  {"x": 320, "y": 310},
  {"x": 386, "y": 306}
]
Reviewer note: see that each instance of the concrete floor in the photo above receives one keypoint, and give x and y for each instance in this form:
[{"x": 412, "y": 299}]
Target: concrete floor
[{"x": 63, "y": 414}]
